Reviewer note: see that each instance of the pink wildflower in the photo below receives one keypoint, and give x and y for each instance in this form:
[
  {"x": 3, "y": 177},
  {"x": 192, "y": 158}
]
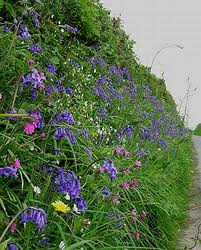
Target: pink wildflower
[
  {"x": 125, "y": 170},
  {"x": 126, "y": 186},
  {"x": 143, "y": 215},
  {"x": 29, "y": 128},
  {"x": 137, "y": 164},
  {"x": 126, "y": 154},
  {"x": 30, "y": 62},
  {"x": 134, "y": 184},
  {"x": 133, "y": 212},
  {"x": 43, "y": 135},
  {"x": 136, "y": 234},
  {"x": 115, "y": 200},
  {"x": 118, "y": 150},
  {"x": 42, "y": 76},
  {"x": 16, "y": 163},
  {"x": 101, "y": 169},
  {"x": 13, "y": 227}
]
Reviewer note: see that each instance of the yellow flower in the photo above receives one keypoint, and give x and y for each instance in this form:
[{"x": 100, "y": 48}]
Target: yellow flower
[{"x": 61, "y": 207}]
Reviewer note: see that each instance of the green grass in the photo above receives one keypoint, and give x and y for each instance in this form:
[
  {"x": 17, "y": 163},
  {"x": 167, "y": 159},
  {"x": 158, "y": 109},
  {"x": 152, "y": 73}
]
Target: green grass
[
  {"x": 119, "y": 102},
  {"x": 197, "y": 130}
]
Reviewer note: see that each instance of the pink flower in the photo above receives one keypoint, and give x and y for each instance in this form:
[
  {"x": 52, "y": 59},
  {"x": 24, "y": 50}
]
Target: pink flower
[
  {"x": 118, "y": 150},
  {"x": 126, "y": 186},
  {"x": 126, "y": 154},
  {"x": 42, "y": 76},
  {"x": 137, "y": 164},
  {"x": 133, "y": 212},
  {"x": 136, "y": 234},
  {"x": 29, "y": 128},
  {"x": 30, "y": 62},
  {"x": 13, "y": 227},
  {"x": 43, "y": 135},
  {"x": 134, "y": 184},
  {"x": 16, "y": 163},
  {"x": 125, "y": 170},
  {"x": 101, "y": 169},
  {"x": 143, "y": 215},
  {"x": 115, "y": 200}
]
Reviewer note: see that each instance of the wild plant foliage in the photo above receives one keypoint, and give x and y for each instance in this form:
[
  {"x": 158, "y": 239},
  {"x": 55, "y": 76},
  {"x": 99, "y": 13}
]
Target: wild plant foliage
[{"x": 91, "y": 141}]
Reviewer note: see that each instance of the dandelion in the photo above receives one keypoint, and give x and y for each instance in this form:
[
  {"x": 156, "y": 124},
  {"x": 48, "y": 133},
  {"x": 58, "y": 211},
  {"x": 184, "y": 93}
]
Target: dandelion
[{"x": 60, "y": 206}]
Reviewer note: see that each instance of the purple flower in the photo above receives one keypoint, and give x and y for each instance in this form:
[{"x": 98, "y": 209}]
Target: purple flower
[
  {"x": 98, "y": 60},
  {"x": 81, "y": 203},
  {"x": 60, "y": 133},
  {"x": 73, "y": 30},
  {"x": 12, "y": 111},
  {"x": 24, "y": 32},
  {"x": 36, "y": 215},
  {"x": 51, "y": 68},
  {"x": 110, "y": 168},
  {"x": 38, "y": 118},
  {"x": 36, "y": 19},
  {"x": 7, "y": 171},
  {"x": 49, "y": 90},
  {"x": 106, "y": 192},
  {"x": 65, "y": 116},
  {"x": 66, "y": 181},
  {"x": 103, "y": 113},
  {"x": 69, "y": 91},
  {"x": 57, "y": 151},
  {"x": 35, "y": 48},
  {"x": 12, "y": 246},
  {"x": 119, "y": 221},
  {"x": 5, "y": 28},
  {"x": 33, "y": 94}
]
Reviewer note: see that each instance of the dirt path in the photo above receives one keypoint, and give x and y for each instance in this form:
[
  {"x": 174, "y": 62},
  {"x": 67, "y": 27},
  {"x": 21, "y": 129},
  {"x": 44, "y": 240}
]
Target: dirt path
[{"x": 192, "y": 234}]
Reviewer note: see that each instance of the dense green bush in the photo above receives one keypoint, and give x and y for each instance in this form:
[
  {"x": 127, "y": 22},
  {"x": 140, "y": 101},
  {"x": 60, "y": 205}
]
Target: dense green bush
[{"x": 92, "y": 147}]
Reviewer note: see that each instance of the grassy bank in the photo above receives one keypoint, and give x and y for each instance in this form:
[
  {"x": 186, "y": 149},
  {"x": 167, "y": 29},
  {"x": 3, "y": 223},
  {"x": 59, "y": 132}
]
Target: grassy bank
[{"x": 92, "y": 147}]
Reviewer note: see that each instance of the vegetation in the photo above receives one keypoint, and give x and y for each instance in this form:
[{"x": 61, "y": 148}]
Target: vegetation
[
  {"x": 197, "y": 130},
  {"x": 92, "y": 147}
]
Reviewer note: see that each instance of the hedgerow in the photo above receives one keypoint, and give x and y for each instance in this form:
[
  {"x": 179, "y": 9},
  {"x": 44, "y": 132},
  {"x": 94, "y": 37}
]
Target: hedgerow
[{"x": 93, "y": 152}]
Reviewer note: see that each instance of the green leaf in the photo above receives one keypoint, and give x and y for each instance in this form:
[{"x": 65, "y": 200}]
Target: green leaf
[
  {"x": 55, "y": 60},
  {"x": 3, "y": 245},
  {"x": 10, "y": 9},
  {"x": 1, "y": 3}
]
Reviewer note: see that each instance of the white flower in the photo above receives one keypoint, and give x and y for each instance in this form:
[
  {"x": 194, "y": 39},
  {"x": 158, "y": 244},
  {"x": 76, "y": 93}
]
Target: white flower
[
  {"x": 1, "y": 96},
  {"x": 36, "y": 190},
  {"x": 62, "y": 245},
  {"x": 67, "y": 197},
  {"x": 75, "y": 209}
]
